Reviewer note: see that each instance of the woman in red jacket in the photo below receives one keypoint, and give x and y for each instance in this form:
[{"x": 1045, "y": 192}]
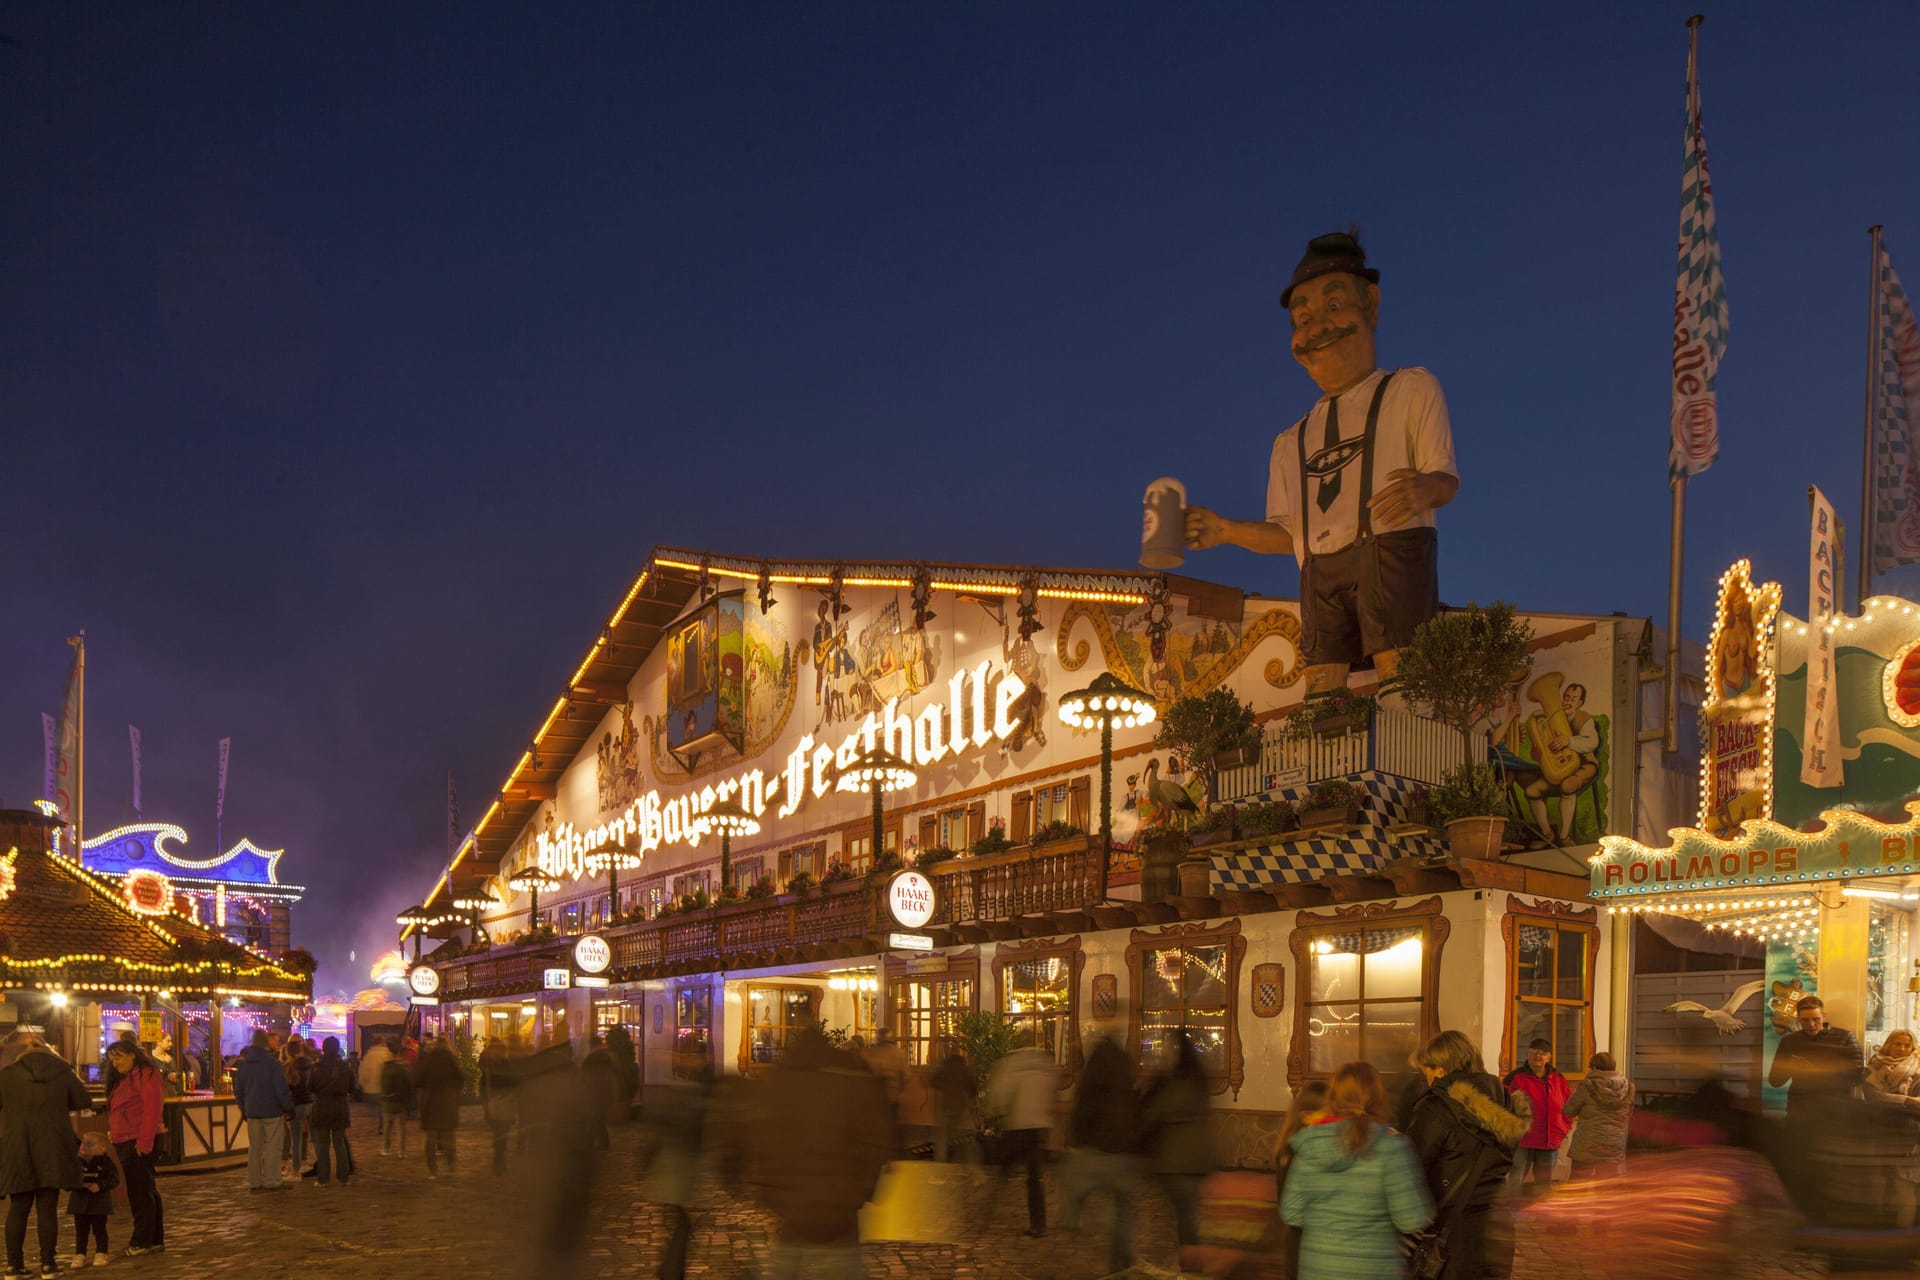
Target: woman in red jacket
[
  {"x": 135, "y": 1118},
  {"x": 1546, "y": 1092}
]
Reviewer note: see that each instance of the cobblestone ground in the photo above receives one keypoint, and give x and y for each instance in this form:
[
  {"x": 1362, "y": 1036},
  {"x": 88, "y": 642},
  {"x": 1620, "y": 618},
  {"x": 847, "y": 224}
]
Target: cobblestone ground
[{"x": 391, "y": 1221}]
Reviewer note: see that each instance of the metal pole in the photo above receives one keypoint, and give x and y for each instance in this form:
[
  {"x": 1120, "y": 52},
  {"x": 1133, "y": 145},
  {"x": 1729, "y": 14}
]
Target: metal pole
[
  {"x": 726, "y": 860},
  {"x": 1672, "y": 687},
  {"x": 80, "y": 753},
  {"x": 1873, "y": 403},
  {"x": 880, "y": 962},
  {"x": 1106, "y": 802},
  {"x": 613, "y": 888}
]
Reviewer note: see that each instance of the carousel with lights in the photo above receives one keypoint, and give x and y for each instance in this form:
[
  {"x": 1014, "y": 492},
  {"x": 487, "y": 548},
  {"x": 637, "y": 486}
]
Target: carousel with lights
[
  {"x": 1801, "y": 870},
  {"x": 85, "y": 959}
]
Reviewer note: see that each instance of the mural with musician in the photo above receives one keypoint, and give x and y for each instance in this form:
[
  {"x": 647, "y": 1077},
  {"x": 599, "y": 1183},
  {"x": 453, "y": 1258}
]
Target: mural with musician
[
  {"x": 617, "y": 763},
  {"x": 858, "y": 667},
  {"x": 1552, "y": 737}
]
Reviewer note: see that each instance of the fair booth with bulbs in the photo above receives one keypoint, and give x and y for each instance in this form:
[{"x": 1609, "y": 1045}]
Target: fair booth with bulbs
[{"x": 1803, "y": 864}]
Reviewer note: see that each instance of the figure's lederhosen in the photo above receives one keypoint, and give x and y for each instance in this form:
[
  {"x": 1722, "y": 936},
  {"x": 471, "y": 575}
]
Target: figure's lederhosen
[{"x": 1370, "y": 595}]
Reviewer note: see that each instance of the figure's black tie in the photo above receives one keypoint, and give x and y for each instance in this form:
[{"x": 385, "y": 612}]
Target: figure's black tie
[{"x": 1330, "y": 484}]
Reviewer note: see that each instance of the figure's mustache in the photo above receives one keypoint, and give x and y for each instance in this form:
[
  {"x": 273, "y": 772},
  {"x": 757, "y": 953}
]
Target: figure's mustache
[{"x": 1325, "y": 338}]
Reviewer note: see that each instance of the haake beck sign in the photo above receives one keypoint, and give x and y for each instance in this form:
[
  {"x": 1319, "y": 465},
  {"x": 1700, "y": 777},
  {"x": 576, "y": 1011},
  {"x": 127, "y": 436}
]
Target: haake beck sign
[{"x": 910, "y": 896}]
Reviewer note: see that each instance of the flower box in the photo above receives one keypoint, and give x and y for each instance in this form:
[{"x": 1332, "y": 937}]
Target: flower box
[
  {"x": 1337, "y": 724},
  {"x": 1340, "y": 815}
]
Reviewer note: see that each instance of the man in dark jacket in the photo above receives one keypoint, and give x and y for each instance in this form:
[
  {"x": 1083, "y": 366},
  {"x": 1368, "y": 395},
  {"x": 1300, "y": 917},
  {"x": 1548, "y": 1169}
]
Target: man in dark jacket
[
  {"x": 266, "y": 1100},
  {"x": 1104, "y": 1133},
  {"x": 598, "y": 1078},
  {"x": 824, "y": 1134},
  {"x": 438, "y": 1081},
  {"x": 1465, "y": 1131},
  {"x": 332, "y": 1083},
  {"x": 1817, "y": 1063}
]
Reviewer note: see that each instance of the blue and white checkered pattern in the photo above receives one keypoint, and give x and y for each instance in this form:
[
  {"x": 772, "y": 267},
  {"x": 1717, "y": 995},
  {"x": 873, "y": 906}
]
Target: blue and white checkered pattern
[
  {"x": 1307, "y": 859},
  {"x": 1700, "y": 305},
  {"x": 1896, "y": 457}
]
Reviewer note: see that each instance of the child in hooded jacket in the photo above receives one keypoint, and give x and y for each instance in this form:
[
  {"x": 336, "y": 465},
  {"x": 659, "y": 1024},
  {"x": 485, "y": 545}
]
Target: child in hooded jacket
[
  {"x": 1603, "y": 1107},
  {"x": 91, "y": 1203}
]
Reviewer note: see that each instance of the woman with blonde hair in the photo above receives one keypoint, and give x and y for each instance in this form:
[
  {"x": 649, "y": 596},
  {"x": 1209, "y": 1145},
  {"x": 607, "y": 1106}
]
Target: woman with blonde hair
[
  {"x": 1354, "y": 1186},
  {"x": 1465, "y": 1131}
]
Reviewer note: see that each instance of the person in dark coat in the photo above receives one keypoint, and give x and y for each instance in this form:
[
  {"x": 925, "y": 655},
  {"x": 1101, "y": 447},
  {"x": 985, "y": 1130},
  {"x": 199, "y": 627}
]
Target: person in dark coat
[
  {"x": 437, "y": 1083},
  {"x": 1103, "y": 1132},
  {"x": 92, "y": 1204},
  {"x": 260, "y": 1087},
  {"x": 602, "y": 1083},
  {"x": 332, "y": 1085},
  {"x": 39, "y": 1157},
  {"x": 1465, "y": 1132},
  {"x": 497, "y": 1102},
  {"x": 1175, "y": 1115}
]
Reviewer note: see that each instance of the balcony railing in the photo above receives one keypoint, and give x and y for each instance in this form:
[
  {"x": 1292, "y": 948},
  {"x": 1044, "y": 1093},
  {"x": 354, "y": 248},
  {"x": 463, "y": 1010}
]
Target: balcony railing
[
  {"x": 1023, "y": 881},
  {"x": 1393, "y": 742}
]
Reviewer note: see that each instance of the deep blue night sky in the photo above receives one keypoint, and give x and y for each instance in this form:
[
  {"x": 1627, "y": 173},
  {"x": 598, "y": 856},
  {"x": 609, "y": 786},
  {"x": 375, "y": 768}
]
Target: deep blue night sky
[{"x": 352, "y": 357}]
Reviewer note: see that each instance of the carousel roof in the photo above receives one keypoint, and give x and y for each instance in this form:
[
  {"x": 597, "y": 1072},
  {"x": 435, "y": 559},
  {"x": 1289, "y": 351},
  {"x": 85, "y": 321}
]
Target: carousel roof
[{"x": 64, "y": 927}]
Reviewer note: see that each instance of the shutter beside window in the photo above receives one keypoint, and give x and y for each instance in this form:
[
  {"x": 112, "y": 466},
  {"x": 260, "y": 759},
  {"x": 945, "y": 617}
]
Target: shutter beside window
[
  {"x": 976, "y": 821},
  {"x": 1022, "y": 825},
  {"x": 1077, "y": 804},
  {"x": 929, "y": 831}
]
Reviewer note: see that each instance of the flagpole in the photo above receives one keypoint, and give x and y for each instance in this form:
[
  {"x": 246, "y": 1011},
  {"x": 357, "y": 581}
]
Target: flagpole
[
  {"x": 80, "y": 749},
  {"x": 1868, "y": 524}
]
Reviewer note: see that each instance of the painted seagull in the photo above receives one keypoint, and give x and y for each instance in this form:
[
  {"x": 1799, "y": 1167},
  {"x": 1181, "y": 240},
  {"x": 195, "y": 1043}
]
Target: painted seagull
[{"x": 1722, "y": 1017}]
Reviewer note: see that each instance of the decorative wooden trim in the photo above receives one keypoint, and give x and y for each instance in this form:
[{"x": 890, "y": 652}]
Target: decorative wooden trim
[
  {"x": 1268, "y": 989},
  {"x": 1307, "y": 923},
  {"x": 1197, "y": 934},
  {"x": 1068, "y": 949},
  {"x": 1554, "y": 915},
  {"x": 747, "y": 1065}
]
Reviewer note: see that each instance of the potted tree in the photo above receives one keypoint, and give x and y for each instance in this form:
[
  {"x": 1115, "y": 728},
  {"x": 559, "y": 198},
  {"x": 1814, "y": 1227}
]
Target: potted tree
[
  {"x": 1204, "y": 731},
  {"x": 1459, "y": 666}
]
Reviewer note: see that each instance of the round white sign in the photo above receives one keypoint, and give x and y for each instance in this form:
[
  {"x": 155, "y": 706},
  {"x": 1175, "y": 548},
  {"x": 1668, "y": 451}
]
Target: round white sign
[
  {"x": 910, "y": 895},
  {"x": 423, "y": 979},
  {"x": 592, "y": 954}
]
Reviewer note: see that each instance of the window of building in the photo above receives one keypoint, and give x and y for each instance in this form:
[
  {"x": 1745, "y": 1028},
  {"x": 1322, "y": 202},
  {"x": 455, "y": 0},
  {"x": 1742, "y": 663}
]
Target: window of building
[
  {"x": 1039, "y": 996},
  {"x": 925, "y": 1013},
  {"x": 1551, "y": 949},
  {"x": 653, "y": 897},
  {"x": 774, "y": 1012},
  {"x": 857, "y": 851},
  {"x": 748, "y": 871},
  {"x": 570, "y": 918},
  {"x": 810, "y": 858},
  {"x": 953, "y": 829},
  {"x": 1368, "y": 987},
  {"x": 1050, "y": 805},
  {"x": 1186, "y": 978},
  {"x": 692, "y": 1031},
  {"x": 685, "y": 886}
]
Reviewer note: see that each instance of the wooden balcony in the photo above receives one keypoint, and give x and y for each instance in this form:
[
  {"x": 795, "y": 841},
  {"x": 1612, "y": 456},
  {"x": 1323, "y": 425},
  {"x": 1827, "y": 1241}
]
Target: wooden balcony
[
  {"x": 1024, "y": 884},
  {"x": 1392, "y": 742}
]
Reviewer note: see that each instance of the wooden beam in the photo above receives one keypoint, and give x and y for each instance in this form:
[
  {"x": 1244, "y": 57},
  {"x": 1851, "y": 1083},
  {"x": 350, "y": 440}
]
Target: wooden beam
[
  {"x": 600, "y": 690},
  {"x": 532, "y": 791}
]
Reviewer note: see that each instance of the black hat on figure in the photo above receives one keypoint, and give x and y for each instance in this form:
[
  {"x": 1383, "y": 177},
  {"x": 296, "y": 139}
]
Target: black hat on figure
[{"x": 1337, "y": 251}]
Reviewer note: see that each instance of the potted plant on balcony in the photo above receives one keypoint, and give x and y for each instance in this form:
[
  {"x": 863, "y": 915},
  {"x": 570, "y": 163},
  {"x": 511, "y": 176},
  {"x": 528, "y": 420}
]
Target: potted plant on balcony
[
  {"x": 887, "y": 864},
  {"x": 1058, "y": 829},
  {"x": 1220, "y": 826},
  {"x": 838, "y": 872},
  {"x": 761, "y": 889},
  {"x": 1329, "y": 715},
  {"x": 930, "y": 858},
  {"x": 1205, "y": 731},
  {"x": 800, "y": 884},
  {"x": 1471, "y": 804},
  {"x": 1267, "y": 818},
  {"x": 994, "y": 841},
  {"x": 1334, "y": 803},
  {"x": 1459, "y": 666}
]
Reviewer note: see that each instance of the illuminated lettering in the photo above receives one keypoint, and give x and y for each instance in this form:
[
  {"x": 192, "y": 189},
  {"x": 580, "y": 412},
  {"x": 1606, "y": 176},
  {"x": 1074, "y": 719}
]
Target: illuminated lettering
[
  {"x": 956, "y": 712},
  {"x": 1787, "y": 859},
  {"x": 1011, "y": 687},
  {"x": 1892, "y": 849},
  {"x": 981, "y": 734},
  {"x": 929, "y": 743},
  {"x": 822, "y": 757}
]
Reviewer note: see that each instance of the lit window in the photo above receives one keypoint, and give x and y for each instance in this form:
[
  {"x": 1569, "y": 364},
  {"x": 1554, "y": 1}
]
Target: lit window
[
  {"x": 926, "y": 1016},
  {"x": 1552, "y": 994},
  {"x": 1364, "y": 997},
  {"x": 1184, "y": 989},
  {"x": 1037, "y": 997}
]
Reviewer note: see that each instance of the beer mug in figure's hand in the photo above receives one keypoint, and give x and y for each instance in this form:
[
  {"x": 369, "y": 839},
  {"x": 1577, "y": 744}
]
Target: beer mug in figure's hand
[{"x": 1163, "y": 525}]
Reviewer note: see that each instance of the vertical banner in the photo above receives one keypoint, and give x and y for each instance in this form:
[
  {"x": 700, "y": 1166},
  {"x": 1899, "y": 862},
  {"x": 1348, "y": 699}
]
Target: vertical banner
[
  {"x": 220, "y": 796},
  {"x": 50, "y": 788},
  {"x": 133, "y": 736},
  {"x": 1894, "y": 371},
  {"x": 1820, "y": 740},
  {"x": 453, "y": 818},
  {"x": 67, "y": 768},
  {"x": 1699, "y": 302}
]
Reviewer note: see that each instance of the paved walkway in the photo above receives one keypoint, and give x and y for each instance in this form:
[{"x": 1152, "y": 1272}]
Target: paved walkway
[{"x": 391, "y": 1221}]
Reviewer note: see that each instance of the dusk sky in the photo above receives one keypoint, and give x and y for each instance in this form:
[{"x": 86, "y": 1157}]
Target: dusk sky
[{"x": 353, "y": 357}]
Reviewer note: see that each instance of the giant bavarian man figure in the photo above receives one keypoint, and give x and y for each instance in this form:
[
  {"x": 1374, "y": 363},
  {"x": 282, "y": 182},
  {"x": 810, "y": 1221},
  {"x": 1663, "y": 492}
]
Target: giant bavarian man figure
[{"x": 1351, "y": 487}]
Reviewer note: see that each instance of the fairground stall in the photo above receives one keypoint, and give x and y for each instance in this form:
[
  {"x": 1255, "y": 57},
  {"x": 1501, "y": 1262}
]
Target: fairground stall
[
  {"x": 83, "y": 957},
  {"x": 238, "y": 894},
  {"x": 1800, "y": 871},
  {"x": 869, "y": 795}
]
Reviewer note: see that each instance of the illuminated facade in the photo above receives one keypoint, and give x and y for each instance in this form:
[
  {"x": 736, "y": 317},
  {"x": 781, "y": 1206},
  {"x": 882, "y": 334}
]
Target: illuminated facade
[
  {"x": 1284, "y": 949},
  {"x": 238, "y": 895}
]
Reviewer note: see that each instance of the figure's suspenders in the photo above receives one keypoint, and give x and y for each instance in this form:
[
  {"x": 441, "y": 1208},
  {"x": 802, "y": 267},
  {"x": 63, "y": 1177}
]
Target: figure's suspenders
[{"x": 1366, "y": 464}]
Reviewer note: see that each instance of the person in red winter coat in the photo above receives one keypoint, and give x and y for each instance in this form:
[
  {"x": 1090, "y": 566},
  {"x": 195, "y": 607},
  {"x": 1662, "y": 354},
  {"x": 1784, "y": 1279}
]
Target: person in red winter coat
[{"x": 1546, "y": 1092}]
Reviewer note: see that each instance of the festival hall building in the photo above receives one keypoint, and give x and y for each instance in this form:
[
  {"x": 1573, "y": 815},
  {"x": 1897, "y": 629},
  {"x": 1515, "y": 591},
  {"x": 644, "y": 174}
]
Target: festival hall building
[
  {"x": 1776, "y": 888},
  {"x": 1302, "y": 935}
]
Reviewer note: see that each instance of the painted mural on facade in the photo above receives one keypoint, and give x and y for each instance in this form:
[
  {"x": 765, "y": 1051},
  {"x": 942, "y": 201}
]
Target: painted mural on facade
[
  {"x": 1552, "y": 735},
  {"x": 1737, "y": 714},
  {"x": 1198, "y": 653},
  {"x": 1877, "y": 688},
  {"x": 617, "y": 762}
]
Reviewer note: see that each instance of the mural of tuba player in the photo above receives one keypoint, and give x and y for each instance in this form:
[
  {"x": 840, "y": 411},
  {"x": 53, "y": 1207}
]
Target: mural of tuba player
[{"x": 1351, "y": 487}]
